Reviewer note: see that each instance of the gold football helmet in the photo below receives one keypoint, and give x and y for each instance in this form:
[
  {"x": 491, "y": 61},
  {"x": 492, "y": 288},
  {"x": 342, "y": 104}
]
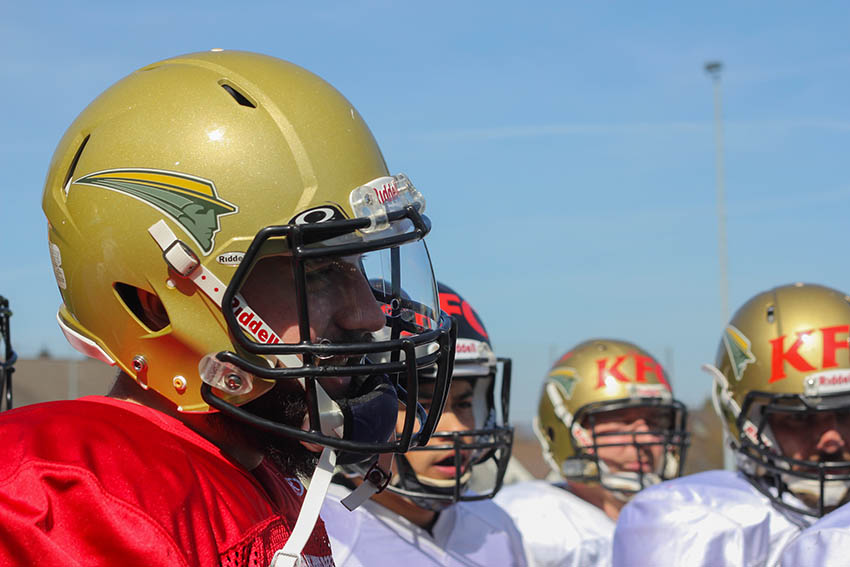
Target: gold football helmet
[
  {"x": 188, "y": 178},
  {"x": 783, "y": 361},
  {"x": 585, "y": 387}
]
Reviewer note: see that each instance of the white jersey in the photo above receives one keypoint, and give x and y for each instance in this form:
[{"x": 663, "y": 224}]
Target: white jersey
[
  {"x": 714, "y": 518},
  {"x": 558, "y": 528},
  {"x": 826, "y": 542},
  {"x": 466, "y": 533}
]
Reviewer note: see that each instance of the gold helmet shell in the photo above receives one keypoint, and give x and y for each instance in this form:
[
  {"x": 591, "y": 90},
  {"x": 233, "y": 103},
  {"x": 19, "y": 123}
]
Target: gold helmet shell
[
  {"x": 785, "y": 348},
  {"x": 207, "y": 150},
  {"x": 596, "y": 376},
  {"x": 226, "y": 166}
]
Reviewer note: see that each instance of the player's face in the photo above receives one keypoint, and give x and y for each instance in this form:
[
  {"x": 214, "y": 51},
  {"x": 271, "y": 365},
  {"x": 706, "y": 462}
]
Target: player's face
[
  {"x": 625, "y": 445},
  {"x": 813, "y": 436},
  {"x": 457, "y": 416},
  {"x": 340, "y": 302},
  {"x": 341, "y": 305}
]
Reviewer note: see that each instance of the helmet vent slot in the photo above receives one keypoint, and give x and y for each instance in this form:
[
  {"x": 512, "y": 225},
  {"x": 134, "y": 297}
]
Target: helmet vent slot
[
  {"x": 238, "y": 96},
  {"x": 771, "y": 314},
  {"x": 145, "y": 306},
  {"x": 74, "y": 162}
]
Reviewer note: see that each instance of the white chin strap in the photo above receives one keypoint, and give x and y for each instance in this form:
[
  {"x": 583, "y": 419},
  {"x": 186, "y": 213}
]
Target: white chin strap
[
  {"x": 319, "y": 484},
  {"x": 183, "y": 261},
  {"x": 808, "y": 490},
  {"x": 445, "y": 482},
  {"x": 624, "y": 485},
  {"x": 288, "y": 555}
]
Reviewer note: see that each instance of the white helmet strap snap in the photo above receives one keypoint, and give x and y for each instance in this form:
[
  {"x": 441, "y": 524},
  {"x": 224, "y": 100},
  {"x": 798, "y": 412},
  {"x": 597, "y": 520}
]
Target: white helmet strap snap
[{"x": 722, "y": 399}]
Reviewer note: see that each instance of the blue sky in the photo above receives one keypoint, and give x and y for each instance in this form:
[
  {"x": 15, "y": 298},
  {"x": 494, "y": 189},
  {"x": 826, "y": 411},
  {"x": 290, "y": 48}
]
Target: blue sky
[{"x": 566, "y": 149}]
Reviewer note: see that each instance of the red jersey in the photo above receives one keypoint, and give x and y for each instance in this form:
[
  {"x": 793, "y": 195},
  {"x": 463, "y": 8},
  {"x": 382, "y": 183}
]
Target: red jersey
[{"x": 98, "y": 481}]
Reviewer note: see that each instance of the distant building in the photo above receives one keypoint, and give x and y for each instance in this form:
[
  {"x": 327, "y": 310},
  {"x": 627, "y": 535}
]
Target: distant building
[{"x": 46, "y": 379}]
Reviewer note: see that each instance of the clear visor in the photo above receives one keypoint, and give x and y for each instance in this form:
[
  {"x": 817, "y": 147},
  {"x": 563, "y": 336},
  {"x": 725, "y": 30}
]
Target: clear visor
[
  {"x": 352, "y": 298},
  {"x": 403, "y": 284}
]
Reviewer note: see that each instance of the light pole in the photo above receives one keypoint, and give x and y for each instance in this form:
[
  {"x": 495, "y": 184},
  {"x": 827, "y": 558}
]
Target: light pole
[{"x": 714, "y": 68}]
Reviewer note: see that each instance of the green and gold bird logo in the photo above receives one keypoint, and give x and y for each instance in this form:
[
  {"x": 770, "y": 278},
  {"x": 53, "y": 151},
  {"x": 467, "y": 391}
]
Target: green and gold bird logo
[
  {"x": 568, "y": 379},
  {"x": 190, "y": 201},
  {"x": 739, "y": 348}
]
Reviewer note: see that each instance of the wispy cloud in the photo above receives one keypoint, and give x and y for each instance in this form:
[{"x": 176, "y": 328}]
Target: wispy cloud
[
  {"x": 631, "y": 128},
  {"x": 542, "y": 130}
]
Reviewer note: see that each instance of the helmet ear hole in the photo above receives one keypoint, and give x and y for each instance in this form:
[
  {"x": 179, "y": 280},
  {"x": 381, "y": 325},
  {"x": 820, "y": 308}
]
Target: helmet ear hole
[{"x": 144, "y": 305}]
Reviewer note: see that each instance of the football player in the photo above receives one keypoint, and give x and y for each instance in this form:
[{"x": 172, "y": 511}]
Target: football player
[
  {"x": 610, "y": 427},
  {"x": 782, "y": 389},
  {"x": 7, "y": 366},
  {"x": 427, "y": 516},
  {"x": 216, "y": 223}
]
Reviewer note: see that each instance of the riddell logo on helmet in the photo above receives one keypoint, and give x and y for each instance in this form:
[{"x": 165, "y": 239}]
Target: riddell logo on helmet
[
  {"x": 792, "y": 356},
  {"x": 643, "y": 365},
  {"x": 387, "y": 192},
  {"x": 466, "y": 347},
  {"x": 230, "y": 258},
  {"x": 834, "y": 380},
  {"x": 827, "y": 382},
  {"x": 252, "y": 323},
  {"x": 648, "y": 391}
]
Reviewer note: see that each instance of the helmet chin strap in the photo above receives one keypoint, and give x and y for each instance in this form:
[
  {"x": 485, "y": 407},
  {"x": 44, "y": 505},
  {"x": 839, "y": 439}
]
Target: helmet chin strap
[
  {"x": 806, "y": 489},
  {"x": 288, "y": 555},
  {"x": 373, "y": 483},
  {"x": 445, "y": 482},
  {"x": 183, "y": 261},
  {"x": 624, "y": 485}
]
